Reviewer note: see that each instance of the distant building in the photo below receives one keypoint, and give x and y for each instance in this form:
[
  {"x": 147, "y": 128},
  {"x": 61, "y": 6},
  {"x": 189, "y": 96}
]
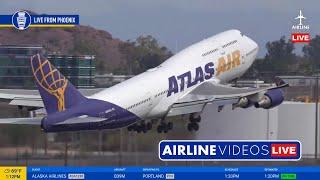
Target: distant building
[
  {"x": 15, "y": 71},
  {"x": 80, "y": 70}
]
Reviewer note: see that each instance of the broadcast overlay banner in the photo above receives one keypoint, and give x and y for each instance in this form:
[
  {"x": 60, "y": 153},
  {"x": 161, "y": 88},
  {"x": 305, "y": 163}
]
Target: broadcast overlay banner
[
  {"x": 22, "y": 20},
  {"x": 185, "y": 173},
  {"x": 193, "y": 150}
]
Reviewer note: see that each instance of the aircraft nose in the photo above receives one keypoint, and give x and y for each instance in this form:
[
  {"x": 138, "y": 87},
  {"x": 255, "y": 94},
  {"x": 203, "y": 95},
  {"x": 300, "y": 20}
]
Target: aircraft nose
[
  {"x": 253, "y": 47},
  {"x": 252, "y": 43}
]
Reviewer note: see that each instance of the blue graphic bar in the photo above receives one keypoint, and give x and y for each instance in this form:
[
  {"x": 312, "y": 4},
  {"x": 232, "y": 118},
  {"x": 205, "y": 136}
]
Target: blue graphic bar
[
  {"x": 45, "y": 20},
  {"x": 185, "y": 173},
  {"x": 5, "y": 19},
  {"x": 193, "y": 150}
]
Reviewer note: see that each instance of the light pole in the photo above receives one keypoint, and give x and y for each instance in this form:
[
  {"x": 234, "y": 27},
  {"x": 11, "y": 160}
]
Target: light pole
[{"x": 316, "y": 113}]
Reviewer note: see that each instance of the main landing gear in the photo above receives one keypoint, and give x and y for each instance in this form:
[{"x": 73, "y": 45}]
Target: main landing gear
[
  {"x": 194, "y": 122},
  {"x": 164, "y": 127},
  {"x": 140, "y": 127}
]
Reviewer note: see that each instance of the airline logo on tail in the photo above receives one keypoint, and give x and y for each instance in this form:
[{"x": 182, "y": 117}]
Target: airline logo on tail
[{"x": 49, "y": 79}]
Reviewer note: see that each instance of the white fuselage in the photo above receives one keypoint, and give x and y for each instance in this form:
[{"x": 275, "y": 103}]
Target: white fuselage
[{"x": 146, "y": 95}]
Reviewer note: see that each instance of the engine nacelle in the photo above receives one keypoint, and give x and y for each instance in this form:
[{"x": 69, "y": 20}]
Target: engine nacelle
[
  {"x": 243, "y": 102},
  {"x": 270, "y": 99}
]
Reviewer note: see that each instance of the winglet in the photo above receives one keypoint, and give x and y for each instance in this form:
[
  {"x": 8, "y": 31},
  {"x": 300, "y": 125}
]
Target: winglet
[{"x": 280, "y": 82}]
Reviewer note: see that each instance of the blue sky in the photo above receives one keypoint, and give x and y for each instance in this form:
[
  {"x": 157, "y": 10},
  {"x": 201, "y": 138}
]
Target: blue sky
[{"x": 179, "y": 23}]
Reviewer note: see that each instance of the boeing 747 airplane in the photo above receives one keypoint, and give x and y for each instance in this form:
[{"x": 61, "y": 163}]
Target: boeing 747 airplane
[{"x": 182, "y": 85}]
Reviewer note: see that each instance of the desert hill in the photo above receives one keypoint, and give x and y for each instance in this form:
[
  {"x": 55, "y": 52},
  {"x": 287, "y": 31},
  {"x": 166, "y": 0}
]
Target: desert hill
[{"x": 75, "y": 41}]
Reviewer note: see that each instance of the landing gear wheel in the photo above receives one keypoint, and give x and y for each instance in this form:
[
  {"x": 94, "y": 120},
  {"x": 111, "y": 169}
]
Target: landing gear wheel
[
  {"x": 194, "y": 119},
  {"x": 143, "y": 126},
  {"x": 144, "y": 130},
  {"x": 195, "y": 126},
  {"x": 198, "y": 119},
  {"x": 149, "y": 126},
  {"x": 164, "y": 127},
  {"x": 159, "y": 129},
  {"x": 190, "y": 127},
  {"x": 170, "y": 125},
  {"x": 138, "y": 129}
]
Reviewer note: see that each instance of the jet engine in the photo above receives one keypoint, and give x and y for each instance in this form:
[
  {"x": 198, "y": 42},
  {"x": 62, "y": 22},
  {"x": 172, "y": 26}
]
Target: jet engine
[
  {"x": 243, "y": 102},
  {"x": 270, "y": 99}
]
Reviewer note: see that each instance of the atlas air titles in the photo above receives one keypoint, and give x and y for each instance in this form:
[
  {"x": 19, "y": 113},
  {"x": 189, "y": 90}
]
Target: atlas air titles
[{"x": 181, "y": 82}]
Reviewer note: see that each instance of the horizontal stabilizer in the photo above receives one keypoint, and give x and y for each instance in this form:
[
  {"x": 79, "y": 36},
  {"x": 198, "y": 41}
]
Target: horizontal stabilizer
[
  {"x": 24, "y": 121},
  {"x": 80, "y": 120}
]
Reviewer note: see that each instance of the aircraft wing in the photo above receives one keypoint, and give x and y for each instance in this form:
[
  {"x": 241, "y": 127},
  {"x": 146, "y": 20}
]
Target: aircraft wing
[
  {"x": 31, "y": 98},
  {"x": 209, "y": 92},
  {"x": 19, "y": 97},
  {"x": 24, "y": 121}
]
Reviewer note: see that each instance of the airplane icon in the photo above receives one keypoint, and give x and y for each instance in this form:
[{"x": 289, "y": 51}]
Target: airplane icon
[{"x": 300, "y": 17}]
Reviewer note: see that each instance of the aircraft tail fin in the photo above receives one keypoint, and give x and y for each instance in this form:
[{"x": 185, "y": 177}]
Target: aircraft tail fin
[{"x": 56, "y": 91}]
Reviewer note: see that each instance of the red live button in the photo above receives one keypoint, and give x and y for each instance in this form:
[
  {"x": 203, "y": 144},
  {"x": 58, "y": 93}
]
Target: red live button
[
  {"x": 300, "y": 37},
  {"x": 283, "y": 150}
]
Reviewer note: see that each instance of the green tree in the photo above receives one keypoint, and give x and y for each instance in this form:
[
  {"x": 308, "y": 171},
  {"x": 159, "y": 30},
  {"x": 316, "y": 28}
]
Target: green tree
[
  {"x": 280, "y": 59},
  {"x": 312, "y": 53},
  {"x": 142, "y": 54},
  {"x": 129, "y": 51},
  {"x": 280, "y": 55}
]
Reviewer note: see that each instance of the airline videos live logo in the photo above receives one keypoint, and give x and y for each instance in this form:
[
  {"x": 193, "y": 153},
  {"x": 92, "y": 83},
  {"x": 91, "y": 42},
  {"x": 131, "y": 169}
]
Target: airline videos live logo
[
  {"x": 300, "y": 31},
  {"x": 284, "y": 150},
  {"x": 224, "y": 150}
]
